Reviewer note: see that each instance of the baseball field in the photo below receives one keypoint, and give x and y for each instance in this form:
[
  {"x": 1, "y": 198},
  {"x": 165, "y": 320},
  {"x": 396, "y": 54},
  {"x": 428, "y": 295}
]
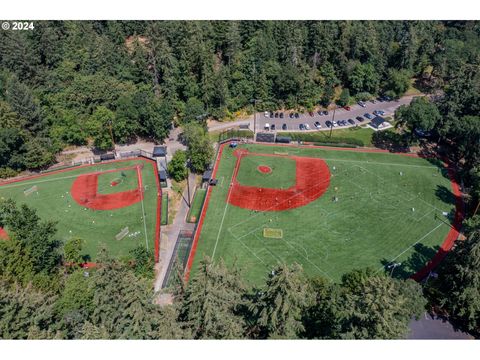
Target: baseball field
[
  {"x": 329, "y": 209},
  {"x": 114, "y": 204}
]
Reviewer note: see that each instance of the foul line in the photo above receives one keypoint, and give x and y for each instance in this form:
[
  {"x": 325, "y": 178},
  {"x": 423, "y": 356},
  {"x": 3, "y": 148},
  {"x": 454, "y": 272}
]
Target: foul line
[{"x": 235, "y": 170}]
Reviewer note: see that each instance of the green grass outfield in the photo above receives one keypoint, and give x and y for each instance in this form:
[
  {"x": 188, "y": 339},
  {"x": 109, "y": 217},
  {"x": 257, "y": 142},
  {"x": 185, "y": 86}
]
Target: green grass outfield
[
  {"x": 371, "y": 224},
  {"x": 54, "y": 202},
  {"x": 196, "y": 205}
]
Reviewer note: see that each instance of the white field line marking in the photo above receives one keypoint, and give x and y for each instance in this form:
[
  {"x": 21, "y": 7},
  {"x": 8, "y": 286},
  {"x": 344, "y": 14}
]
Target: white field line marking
[
  {"x": 139, "y": 184},
  {"x": 235, "y": 169},
  {"x": 381, "y": 163},
  {"x": 415, "y": 243},
  {"x": 21, "y": 183}
]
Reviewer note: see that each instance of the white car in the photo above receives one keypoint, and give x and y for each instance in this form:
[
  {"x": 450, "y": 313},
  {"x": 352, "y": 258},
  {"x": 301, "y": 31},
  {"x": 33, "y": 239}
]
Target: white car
[
  {"x": 362, "y": 104},
  {"x": 334, "y": 123},
  {"x": 266, "y": 113},
  {"x": 267, "y": 126},
  {"x": 307, "y": 127}
]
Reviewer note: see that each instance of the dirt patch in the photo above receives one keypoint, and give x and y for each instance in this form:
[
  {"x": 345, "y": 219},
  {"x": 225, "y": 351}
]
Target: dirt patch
[
  {"x": 264, "y": 169},
  {"x": 84, "y": 191},
  {"x": 312, "y": 180}
]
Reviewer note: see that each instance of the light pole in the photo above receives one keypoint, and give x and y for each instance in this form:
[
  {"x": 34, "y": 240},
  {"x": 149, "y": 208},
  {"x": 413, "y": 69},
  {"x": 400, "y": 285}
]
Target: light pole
[
  {"x": 333, "y": 119},
  {"x": 188, "y": 182},
  {"x": 255, "y": 101}
]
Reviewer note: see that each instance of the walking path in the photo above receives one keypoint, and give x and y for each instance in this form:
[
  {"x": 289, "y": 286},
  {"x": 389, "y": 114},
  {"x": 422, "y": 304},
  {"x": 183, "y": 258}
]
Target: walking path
[{"x": 170, "y": 234}]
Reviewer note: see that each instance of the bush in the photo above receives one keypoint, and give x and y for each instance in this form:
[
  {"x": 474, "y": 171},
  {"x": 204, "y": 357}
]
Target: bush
[
  {"x": 177, "y": 166},
  {"x": 7, "y": 172}
]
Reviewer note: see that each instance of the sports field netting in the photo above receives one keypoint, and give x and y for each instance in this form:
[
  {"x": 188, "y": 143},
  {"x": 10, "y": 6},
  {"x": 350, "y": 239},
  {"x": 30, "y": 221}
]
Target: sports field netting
[
  {"x": 53, "y": 201},
  {"x": 378, "y": 208}
]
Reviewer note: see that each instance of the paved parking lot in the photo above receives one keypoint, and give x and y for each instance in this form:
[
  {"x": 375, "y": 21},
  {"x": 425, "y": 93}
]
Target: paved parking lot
[{"x": 340, "y": 114}]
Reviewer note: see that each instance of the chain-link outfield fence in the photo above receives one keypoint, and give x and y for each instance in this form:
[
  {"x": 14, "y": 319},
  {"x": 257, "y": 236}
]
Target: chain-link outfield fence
[
  {"x": 179, "y": 258},
  {"x": 235, "y": 134}
]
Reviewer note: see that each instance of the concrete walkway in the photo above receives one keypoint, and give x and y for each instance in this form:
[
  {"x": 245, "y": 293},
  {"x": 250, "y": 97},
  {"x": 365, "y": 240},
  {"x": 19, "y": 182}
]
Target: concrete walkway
[{"x": 170, "y": 234}]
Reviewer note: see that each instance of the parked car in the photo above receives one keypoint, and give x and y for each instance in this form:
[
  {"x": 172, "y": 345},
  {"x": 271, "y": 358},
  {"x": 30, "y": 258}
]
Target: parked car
[
  {"x": 328, "y": 123},
  {"x": 267, "y": 126},
  {"x": 271, "y": 114},
  {"x": 359, "y": 118},
  {"x": 301, "y": 127},
  {"x": 320, "y": 112},
  {"x": 307, "y": 127},
  {"x": 272, "y": 127},
  {"x": 351, "y": 121},
  {"x": 362, "y": 104},
  {"x": 380, "y": 99},
  {"x": 284, "y": 127},
  {"x": 297, "y": 115},
  {"x": 379, "y": 112},
  {"x": 373, "y": 101},
  {"x": 276, "y": 114},
  {"x": 291, "y": 115},
  {"x": 266, "y": 113},
  {"x": 342, "y": 123},
  {"x": 334, "y": 123},
  {"x": 325, "y": 112},
  {"x": 281, "y": 115},
  {"x": 368, "y": 116},
  {"x": 317, "y": 125},
  {"x": 311, "y": 113},
  {"x": 348, "y": 108}
]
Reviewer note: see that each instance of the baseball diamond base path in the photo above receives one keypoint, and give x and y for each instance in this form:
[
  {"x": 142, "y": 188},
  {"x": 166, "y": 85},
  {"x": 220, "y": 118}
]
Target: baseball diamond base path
[
  {"x": 418, "y": 194},
  {"x": 85, "y": 192},
  {"x": 63, "y": 194},
  {"x": 309, "y": 186}
]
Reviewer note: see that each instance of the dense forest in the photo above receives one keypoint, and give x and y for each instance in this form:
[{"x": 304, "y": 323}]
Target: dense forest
[
  {"x": 73, "y": 83},
  {"x": 77, "y": 83}
]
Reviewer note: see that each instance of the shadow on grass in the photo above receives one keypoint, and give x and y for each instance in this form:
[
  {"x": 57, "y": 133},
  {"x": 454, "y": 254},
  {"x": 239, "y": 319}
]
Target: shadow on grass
[
  {"x": 420, "y": 257},
  {"x": 391, "y": 141},
  {"x": 445, "y": 194}
]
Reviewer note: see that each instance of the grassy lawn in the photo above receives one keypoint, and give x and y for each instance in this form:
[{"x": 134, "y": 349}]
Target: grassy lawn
[
  {"x": 389, "y": 208},
  {"x": 282, "y": 173},
  {"x": 194, "y": 212},
  {"x": 97, "y": 227},
  {"x": 361, "y": 133},
  {"x": 164, "y": 213}
]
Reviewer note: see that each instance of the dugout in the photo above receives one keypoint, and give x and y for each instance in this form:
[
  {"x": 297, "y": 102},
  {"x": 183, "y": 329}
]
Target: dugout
[
  {"x": 159, "y": 151},
  {"x": 283, "y": 139},
  {"x": 266, "y": 137},
  {"x": 207, "y": 175},
  {"x": 162, "y": 176},
  {"x": 107, "y": 156}
]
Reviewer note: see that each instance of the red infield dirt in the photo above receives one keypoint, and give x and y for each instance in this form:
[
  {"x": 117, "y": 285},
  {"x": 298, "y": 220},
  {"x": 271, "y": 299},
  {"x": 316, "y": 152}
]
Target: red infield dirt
[
  {"x": 4, "y": 235},
  {"x": 448, "y": 242},
  {"x": 84, "y": 192},
  {"x": 312, "y": 180},
  {"x": 264, "y": 169}
]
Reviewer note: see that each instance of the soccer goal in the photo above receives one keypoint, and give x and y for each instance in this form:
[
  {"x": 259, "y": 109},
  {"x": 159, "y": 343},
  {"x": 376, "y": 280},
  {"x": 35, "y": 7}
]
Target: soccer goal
[
  {"x": 122, "y": 233},
  {"x": 271, "y": 233},
  {"x": 31, "y": 190}
]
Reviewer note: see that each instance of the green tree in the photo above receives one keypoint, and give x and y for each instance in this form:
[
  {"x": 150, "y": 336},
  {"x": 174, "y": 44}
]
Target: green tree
[
  {"x": 281, "y": 303},
  {"x": 376, "y": 306},
  {"x": 344, "y": 98},
  {"x": 459, "y": 284},
  {"x": 199, "y": 147},
  {"x": 72, "y": 251},
  {"x": 211, "y": 304},
  {"x": 397, "y": 83},
  {"x": 194, "y": 110},
  {"x": 99, "y": 126},
  {"x": 177, "y": 166},
  {"x": 421, "y": 114}
]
